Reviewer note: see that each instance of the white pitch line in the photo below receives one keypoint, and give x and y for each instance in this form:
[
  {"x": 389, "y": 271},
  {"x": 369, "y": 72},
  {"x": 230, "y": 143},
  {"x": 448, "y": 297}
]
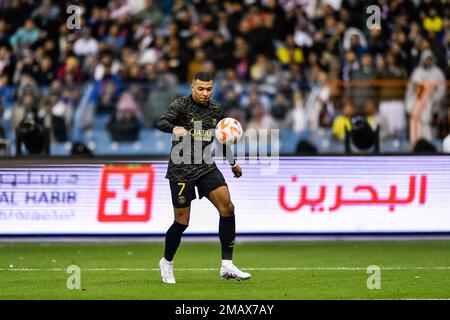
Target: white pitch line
[{"x": 216, "y": 269}]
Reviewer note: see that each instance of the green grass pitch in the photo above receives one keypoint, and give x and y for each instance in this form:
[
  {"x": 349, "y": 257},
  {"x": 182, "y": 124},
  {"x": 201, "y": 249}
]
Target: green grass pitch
[{"x": 280, "y": 270}]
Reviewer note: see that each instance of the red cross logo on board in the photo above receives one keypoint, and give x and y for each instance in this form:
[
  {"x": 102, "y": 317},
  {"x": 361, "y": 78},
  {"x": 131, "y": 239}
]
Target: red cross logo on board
[{"x": 126, "y": 193}]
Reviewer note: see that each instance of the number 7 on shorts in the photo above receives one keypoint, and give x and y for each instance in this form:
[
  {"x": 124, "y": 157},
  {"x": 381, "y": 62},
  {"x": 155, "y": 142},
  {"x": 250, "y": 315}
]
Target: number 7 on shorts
[{"x": 183, "y": 185}]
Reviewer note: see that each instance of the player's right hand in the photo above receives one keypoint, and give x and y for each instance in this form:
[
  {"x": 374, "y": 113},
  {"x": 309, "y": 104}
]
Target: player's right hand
[
  {"x": 237, "y": 171},
  {"x": 179, "y": 131}
]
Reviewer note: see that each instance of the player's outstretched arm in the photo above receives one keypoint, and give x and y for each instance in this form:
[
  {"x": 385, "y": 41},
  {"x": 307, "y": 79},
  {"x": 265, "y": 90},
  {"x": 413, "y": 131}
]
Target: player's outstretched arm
[
  {"x": 235, "y": 168},
  {"x": 167, "y": 121},
  {"x": 165, "y": 125},
  {"x": 226, "y": 149}
]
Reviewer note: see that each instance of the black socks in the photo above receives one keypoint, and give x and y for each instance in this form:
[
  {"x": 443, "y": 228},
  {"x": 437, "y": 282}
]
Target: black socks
[
  {"x": 173, "y": 239},
  {"x": 227, "y": 233}
]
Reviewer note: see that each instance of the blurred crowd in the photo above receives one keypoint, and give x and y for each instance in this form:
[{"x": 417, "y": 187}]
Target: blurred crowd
[{"x": 307, "y": 65}]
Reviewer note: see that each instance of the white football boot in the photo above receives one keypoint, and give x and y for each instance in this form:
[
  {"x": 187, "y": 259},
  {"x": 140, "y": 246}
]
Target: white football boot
[
  {"x": 166, "y": 268},
  {"x": 230, "y": 271}
]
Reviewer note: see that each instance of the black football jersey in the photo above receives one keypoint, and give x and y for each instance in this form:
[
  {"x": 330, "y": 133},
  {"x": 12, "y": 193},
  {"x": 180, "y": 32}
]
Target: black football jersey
[{"x": 200, "y": 122}]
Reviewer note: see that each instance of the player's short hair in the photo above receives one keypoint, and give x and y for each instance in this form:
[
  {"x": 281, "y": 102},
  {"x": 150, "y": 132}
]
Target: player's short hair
[{"x": 202, "y": 76}]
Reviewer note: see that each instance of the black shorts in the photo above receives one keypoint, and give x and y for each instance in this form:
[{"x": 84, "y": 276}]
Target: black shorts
[{"x": 184, "y": 192}]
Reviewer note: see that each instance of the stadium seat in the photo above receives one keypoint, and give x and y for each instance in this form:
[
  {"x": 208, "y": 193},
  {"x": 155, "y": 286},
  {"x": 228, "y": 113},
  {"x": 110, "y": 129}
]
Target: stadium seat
[
  {"x": 184, "y": 89},
  {"x": 390, "y": 146},
  {"x": 155, "y": 142},
  {"x": 438, "y": 144},
  {"x": 326, "y": 143},
  {"x": 60, "y": 148},
  {"x": 102, "y": 140},
  {"x": 101, "y": 121},
  {"x": 288, "y": 141}
]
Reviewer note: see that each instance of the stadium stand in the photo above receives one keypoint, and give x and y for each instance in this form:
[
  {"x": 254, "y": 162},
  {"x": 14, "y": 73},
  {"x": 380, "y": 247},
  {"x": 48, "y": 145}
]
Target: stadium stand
[{"x": 304, "y": 67}]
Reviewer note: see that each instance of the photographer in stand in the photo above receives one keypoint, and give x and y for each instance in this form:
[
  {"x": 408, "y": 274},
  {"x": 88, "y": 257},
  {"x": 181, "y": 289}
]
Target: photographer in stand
[
  {"x": 361, "y": 138},
  {"x": 32, "y": 133}
]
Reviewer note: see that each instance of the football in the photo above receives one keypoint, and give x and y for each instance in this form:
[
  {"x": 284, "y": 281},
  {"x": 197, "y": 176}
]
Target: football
[{"x": 228, "y": 131}]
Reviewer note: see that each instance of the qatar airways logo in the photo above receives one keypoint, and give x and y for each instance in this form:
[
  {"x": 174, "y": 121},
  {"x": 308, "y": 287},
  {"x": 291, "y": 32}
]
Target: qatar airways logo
[
  {"x": 126, "y": 194},
  {"x": 333, "y": 198},
  {"x": 258, "y": 146}
]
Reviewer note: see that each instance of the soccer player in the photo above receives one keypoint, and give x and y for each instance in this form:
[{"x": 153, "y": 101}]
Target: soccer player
[{"x": 194, "y": 118}]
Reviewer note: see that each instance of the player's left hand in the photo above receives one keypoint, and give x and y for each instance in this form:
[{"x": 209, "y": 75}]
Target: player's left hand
[{"x": 237, "y": 171}]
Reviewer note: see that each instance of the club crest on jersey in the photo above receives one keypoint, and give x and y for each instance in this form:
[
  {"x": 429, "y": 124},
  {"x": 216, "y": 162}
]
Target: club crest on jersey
[{"x": 181, "y": 200}]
